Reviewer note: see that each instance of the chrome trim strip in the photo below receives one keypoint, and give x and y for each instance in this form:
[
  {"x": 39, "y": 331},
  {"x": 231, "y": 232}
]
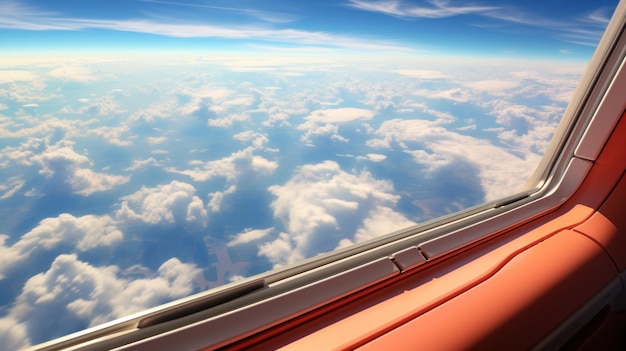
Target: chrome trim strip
[{"x": 574, "y": 176}]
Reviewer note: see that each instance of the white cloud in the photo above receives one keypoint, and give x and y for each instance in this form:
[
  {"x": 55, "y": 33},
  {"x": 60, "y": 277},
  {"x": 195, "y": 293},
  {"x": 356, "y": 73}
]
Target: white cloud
[
  {"x": 282, "y": 250},
  {"x": 494, "y": 129},
  {"x": 173, "y": 203},
  {"x": 138, "y": 164},
  {"x": 240, "y": 163},
  {"x": 235, "y": 278},
  {"x": 434, "y": 9},
  {"x": 240, "y": 101},
  {"x": 421, "y": 74},
  {"x": 62, "y": 166},
  {"x": 527, "y": 129},
  {"x": 212, "y": 93},
  {"x": 73, "y": 293},
  {"x": 324, "y": 123},
  {"x": 250, "y": 235},
  {"x": 433, "y": 161},
  {"x": 372, "y": 157},
  {"x": 600, "y": 16},
  {"x": 274, "y": 17},
  {"x": 186, "y": 100},
  {"x": 277, "y": 117},
  {"x": 27, "y": 92},
  {"x": 258, "y": 139},
  {"x": 114, "y": 135},
  {"x": 216, "y": 198},
  {"x": 468, "y": 127},
  {"x": 73, "y": 73},
  {"x": 160, "y": 110},
  {"x": 500, "y": 171},
  {"x": 339, "y": 115},
  {"x": 17, "y": 16},
  {"x": 583, "y": 30},
  {"x": 103, "y": 107},
  {"x": 380, "y": 221},
  {"x": 42, "y": 128},
  {"x": 454, "y": 94},
  {"x": 155, "y": 140},
  {"x": 555, "y": 83},
  {"x": 59, "y": 157},
  {"x": 442, "y": 117},
  {"x": 13, "y": 334},
  {"x": 21, "y": 155},
  {"x": 11, "y": 76},
  {"x": 315, "y": 131},
  {"x": 14, "y": 185},
  {"x": 228, "y": 121},
  {"x": 320, "y": 205},
  {"x": 494, "y": 86},
  {"x": 82, "y": 233}
]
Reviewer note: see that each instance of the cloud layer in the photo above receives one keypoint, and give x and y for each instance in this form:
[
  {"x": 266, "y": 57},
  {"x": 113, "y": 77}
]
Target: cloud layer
[
  {"x": 72, "y": 295},
  {"x": 168, "y": 204},
  {"x": 322, "y": 205},
  {"x": 64, "y": 167}
]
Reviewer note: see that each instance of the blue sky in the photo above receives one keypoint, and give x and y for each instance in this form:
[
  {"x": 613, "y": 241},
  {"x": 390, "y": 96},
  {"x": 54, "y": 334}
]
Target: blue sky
[{"x": 556, "y": 29}]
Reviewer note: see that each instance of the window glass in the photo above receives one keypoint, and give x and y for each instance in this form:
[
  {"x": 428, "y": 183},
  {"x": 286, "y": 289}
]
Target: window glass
[{"x": 154, "y": 149}]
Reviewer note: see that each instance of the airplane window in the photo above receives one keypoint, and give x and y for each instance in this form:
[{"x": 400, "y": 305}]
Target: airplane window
[{"x": 154, "y": 149}]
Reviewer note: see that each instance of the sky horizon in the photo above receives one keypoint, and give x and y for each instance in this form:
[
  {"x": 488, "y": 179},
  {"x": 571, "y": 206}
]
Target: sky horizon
[{"x": 429, "y": 28}]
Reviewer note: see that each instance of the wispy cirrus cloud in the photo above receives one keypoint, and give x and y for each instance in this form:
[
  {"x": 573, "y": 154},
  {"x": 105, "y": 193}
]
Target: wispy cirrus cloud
[
  {"x": 17, "y": 16},
  {"x": 600, "y": 16},
  {"x": 585, "y": 29},
  {"x": 591, "y": 30},
  {"x": 432, "y": 9},
  {"x": 268, "y": 16}
]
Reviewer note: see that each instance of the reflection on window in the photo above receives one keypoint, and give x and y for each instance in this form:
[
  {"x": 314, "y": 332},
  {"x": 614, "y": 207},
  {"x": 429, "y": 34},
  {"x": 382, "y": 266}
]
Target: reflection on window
[{"x": 147, "y": 158}]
